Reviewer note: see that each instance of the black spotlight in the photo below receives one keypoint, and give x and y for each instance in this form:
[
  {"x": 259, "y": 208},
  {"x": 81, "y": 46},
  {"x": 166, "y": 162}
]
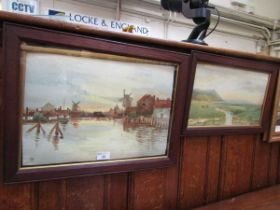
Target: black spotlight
[{"x": 198, "y": 11}]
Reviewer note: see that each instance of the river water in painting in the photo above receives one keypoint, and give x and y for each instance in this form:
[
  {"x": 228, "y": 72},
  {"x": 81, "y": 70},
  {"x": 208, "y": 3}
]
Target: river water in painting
[{"x": 83, "y": 139}]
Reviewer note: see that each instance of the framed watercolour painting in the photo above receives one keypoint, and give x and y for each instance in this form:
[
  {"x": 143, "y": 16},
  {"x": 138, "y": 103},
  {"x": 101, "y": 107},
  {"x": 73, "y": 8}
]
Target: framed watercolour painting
[
  {"x": 87, "y": 106},
  {"x": 229, "y": 94}
]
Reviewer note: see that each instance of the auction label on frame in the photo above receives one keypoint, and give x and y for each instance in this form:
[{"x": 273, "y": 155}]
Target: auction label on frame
[
  {"x": 112, "y": 25},
  {"x": 103, "y": 156},
  {"x": 30, "y": 7}
]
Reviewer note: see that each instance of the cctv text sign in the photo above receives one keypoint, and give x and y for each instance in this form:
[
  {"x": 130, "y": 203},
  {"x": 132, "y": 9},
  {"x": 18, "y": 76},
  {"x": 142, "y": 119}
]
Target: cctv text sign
[{"x": 22, "y": 6}]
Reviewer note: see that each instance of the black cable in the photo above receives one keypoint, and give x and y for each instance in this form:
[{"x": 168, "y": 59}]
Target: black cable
[{"x": 217, "y": 23}]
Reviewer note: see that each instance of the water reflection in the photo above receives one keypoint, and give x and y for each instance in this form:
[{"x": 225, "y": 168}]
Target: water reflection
[
  {"x": 55, "y": 142},
  {"x": 80, "y": 140},
  {"x": 37, "y": 139},
  {"x": 38, "y": 136}
]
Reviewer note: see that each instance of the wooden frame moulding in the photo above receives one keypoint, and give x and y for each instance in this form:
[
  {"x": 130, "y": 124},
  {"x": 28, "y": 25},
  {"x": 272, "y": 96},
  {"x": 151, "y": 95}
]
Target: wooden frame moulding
[
  {"x": 18, "y": 38},
  {"x": 233, "y": 63}
]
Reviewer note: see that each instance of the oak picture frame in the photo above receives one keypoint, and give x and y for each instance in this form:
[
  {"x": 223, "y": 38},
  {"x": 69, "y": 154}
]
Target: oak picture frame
[
  {"x": 17, "y": 38},
  {"x": 233, "y": 63}
]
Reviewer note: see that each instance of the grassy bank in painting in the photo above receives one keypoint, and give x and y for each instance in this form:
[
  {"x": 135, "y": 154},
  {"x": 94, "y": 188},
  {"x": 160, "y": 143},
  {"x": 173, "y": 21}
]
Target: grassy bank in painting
[{"x": 209, "y": 109}]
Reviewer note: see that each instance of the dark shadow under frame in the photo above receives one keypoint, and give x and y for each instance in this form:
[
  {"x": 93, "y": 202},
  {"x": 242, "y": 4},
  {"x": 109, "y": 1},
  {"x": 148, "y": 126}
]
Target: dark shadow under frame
[
  {"x": 13, "y": 36},
  {"x": 251, "y": 65}
]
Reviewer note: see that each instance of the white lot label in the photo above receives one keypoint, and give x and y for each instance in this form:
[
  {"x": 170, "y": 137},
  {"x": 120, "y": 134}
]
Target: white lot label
[{"x": 103, "y": 156}]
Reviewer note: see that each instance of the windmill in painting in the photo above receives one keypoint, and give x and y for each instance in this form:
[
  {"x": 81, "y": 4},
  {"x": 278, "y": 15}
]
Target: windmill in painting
[{"x": 126, "y": 101}]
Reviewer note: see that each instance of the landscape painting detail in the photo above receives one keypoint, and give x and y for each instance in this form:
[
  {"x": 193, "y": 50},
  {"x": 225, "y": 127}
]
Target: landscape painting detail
[
  {"x": 89, "y": 107},
  {"x": 224, "y": 96}
]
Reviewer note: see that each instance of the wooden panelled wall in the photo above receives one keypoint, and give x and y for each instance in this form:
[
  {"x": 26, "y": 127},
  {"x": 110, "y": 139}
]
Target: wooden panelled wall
[{"x": 211, "y": 169}]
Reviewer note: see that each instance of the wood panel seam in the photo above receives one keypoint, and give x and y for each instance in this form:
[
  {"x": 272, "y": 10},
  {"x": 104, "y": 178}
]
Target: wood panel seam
[
  {"x": 219, "y": 168},
  {"x": 180, "y": 173},
  {"x": 270, "y": 183},
  {"x": 269, "y": 164},
  {"x": 278, "y": 167},
  {"x": 64, "y": 191},
  {"x": 206, "y": 171},
  {"x": 34, "y": 195},
  {"x": 130, "y": 192},
  {"x": 253, "y": 161},
  {"x": 106, "y": 197},
  {"x": 222, "y": 173}
]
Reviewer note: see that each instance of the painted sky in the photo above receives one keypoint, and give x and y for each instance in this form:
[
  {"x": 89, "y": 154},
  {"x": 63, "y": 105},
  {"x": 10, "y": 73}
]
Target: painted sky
[
  {"x": 232, "y": 84},
  {"x": 97, "y": 84}
]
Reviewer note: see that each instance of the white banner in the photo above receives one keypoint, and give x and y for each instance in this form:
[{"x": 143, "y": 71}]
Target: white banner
[{"x": 98, "y": 22}]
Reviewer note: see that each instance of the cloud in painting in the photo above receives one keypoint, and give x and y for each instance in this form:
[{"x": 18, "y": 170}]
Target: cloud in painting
[
  {"x": 232, "y": 84},
  {"x": 97, "y": 83}
]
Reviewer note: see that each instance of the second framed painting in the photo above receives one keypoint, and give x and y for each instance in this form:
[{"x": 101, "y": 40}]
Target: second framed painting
[
  {"x": 88, "y": 106},
  {"x": 229, "y": 95},
  {"x": 274, "y": 133}
]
